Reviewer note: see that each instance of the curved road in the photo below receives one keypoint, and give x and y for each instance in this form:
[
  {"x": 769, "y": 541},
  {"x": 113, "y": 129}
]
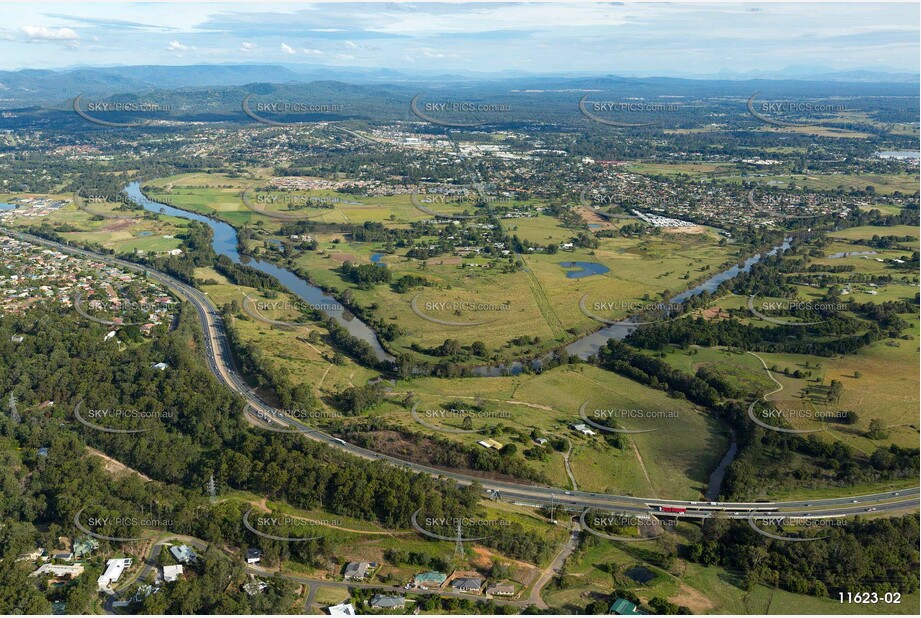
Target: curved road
[{"x": 220, "y": 361}]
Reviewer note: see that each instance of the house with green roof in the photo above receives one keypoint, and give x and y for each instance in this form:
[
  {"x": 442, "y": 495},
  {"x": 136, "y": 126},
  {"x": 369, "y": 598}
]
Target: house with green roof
[
  {"x": 623, "y": 607},
  {"x": 429, "y": 579}
]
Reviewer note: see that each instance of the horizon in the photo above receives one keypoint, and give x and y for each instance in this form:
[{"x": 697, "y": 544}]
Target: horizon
[{"x": 588, "y": 38}]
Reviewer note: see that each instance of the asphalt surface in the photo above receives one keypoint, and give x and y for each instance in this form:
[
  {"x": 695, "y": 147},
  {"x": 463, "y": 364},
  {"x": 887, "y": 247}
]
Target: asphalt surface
[{"x": 220, "y": 361}]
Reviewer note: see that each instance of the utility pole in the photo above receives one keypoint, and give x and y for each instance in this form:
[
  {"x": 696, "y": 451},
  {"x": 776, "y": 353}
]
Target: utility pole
[{"x": 14, "y": 413}]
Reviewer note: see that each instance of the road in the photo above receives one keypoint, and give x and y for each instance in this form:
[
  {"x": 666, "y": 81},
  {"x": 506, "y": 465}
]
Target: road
[{"x": 221, "y": 364}]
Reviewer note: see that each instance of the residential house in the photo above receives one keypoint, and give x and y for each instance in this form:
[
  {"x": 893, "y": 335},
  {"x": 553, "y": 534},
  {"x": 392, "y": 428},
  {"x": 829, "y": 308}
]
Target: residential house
[
  {"x": 468, "y": 584},
  {"x": 171, "y": 572},
  {"x": 254, "y": 587},
  {"x": 114, "y": 569},
  {"x": 183, "y": 554},
  {"x": 583, "y": 429},
  {"x": 59, "y": 570},
  {"x": 623, "y": 607},
  {"x": 500, "y": 590},
  {"x": 429, "y": 579},
  {"x": 386, "y": 601},
  {"x": 358, "y": 571},
  {"x": 84, "y": 547},
  {"x": 253, "y": 555},
  {"x": 343, "y": 609}
]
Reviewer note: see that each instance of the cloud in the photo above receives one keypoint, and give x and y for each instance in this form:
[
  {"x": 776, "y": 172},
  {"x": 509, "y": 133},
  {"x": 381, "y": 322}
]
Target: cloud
[
  {"x": 312, "y": 52},
  {"x": 41, "y": 33},
  {"x": 176, "y": 46},
  {"x": 287, "y": 49},
  {"x": 245, "y": 47},
  {"x": 350, "y": 45}
]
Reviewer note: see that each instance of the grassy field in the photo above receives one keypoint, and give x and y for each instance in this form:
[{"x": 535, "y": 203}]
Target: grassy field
[
  {"x": 887, "y": 389},
  {"x": 550, "y": 402},
  {"x": 883, "y": 184},
  {"x": 288, "y": 348},
  {"x": 138, "y": 233},
  {"x": 675, "y": 169},
  {"x": 601, "y": 566}
]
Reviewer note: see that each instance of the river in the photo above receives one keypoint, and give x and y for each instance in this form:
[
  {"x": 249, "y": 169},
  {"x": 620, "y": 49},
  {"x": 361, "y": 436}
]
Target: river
[{"x": 225, "y": 243}]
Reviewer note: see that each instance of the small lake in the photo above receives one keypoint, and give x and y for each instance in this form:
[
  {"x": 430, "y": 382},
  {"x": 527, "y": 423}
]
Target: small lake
[
  {"x": 640, "y": 574},
  {"x": 376, "y": 258},
  {"x": 5, "y": 206},
  {"x": 590, "y": 344},
  {"x": 144, "y": 234},
  {"x": 584, "y": 269}
]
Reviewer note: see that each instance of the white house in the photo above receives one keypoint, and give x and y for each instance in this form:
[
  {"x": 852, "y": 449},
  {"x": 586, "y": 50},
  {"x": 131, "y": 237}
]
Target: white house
[
  {"x": 171, "y": 572},
  {"x": 58, "y": 570},
  {"x": 114, "y": 569},
  {"x": 583, "y": 429},
  {"x": 343, "y": 609}
]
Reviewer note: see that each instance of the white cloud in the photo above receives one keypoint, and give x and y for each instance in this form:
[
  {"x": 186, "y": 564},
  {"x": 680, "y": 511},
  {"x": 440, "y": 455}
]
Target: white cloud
[
  {"x": 176, "y": 46},
  {"x": 312, "y": 52},
  {"x": 41, "y": 33},
  {"x": 287, "y": 49},
  {"x": 245, "y": 47},
  {"x": 350, "y": 45}
]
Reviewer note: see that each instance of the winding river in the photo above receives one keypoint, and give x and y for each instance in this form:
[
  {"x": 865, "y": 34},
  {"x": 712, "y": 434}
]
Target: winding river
[{"x": 225, "y": 243}]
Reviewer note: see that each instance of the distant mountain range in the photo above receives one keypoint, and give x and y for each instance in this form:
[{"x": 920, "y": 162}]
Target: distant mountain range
[
  {"x": 33, "y": 86},
  {"x": 210, "y": 92}
]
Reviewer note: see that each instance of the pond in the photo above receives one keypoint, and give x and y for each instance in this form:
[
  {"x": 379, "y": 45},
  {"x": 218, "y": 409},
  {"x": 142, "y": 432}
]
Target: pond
[
  {"x": 640, "y": 574},
  {"x": 584, "y": 269}
]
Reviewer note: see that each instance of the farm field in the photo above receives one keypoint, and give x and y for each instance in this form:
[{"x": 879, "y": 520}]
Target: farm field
[
  {"x": 883, "y": 184},
  {"x": 290, "y": 349},
  {"x": 137, "y": 232},
  {"x": 487, "y": 305},
  {"x": 887, "y": 388},
  {"x": 550, "y": 403},
  {"x": 602, "y": 565}
]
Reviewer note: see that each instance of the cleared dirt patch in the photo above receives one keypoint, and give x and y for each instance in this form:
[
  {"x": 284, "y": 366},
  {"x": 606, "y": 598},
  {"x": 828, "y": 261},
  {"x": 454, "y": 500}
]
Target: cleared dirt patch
[
  {"x": 344, "y": 257},
  {"x": 449, "y": 261},
  {"x": 692, "y": 599}
]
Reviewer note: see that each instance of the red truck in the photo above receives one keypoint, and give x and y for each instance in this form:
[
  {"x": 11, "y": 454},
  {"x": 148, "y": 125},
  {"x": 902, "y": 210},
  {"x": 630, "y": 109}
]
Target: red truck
[{"x": 672, "y": 509}]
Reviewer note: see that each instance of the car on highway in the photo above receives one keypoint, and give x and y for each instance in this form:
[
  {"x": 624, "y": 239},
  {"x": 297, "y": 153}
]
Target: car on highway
[{"x": 339, "y": 440}]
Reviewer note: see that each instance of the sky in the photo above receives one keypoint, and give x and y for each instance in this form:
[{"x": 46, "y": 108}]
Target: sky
[{"x": 627, "y": 39}]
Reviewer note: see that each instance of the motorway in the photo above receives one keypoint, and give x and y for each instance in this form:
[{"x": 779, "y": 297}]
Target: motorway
[{"x": 220, "y": 361}]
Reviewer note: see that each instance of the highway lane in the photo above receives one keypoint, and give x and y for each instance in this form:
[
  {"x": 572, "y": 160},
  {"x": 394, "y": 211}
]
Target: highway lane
[{"x": 220, "y": 361}]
